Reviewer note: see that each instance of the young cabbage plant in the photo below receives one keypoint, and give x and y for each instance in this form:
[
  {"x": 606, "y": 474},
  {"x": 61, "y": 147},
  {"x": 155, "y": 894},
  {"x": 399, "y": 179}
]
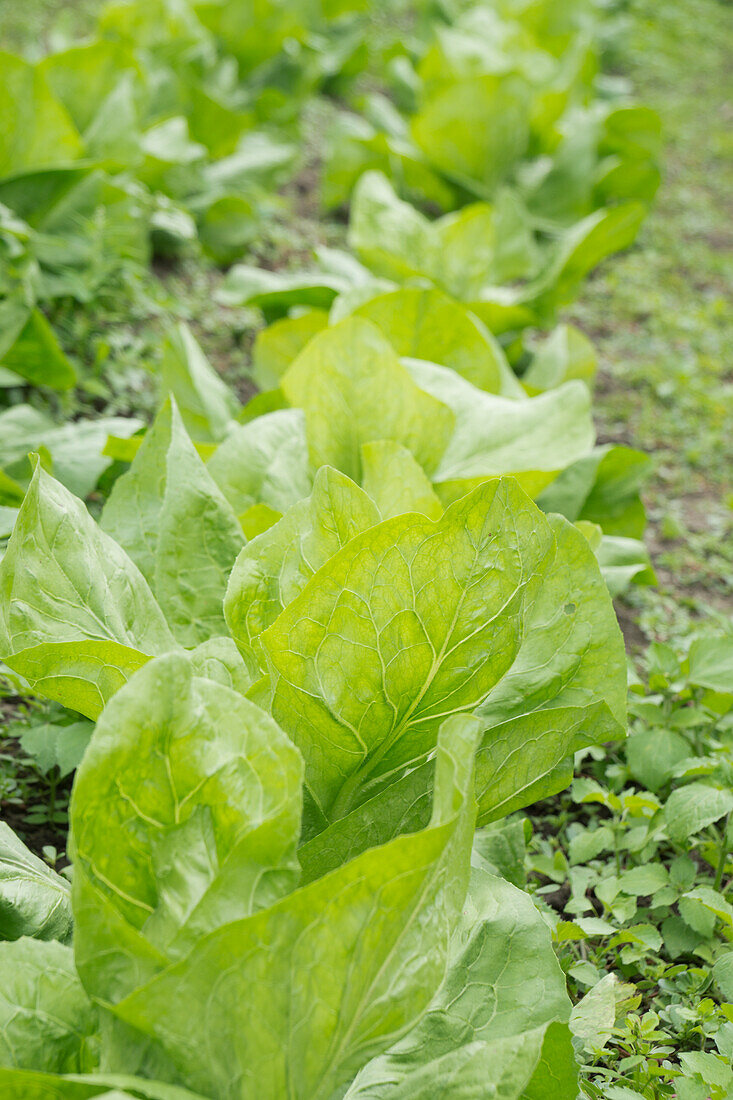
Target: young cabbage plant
[
  {"x": 369, "y": 644},
  {"x": 188, "y": 889}
]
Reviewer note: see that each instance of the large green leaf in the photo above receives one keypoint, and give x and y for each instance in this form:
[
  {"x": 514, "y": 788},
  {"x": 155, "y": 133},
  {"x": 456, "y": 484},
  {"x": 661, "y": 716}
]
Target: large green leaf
[
  {"x": 82, "y": 675},
  {"x": 349, "y": 962},
  {"x": 276, "y": 346},
  {"x": 47, "y": 1022},
  {"x": 426, "y": 324},
  {"x": 264, "y": 462},
  {"x": 396, "y": 482},
  {"x": 475, "y": 129},
  {"x": 342, "y": 378},
  {"x": 274, "y": 567},
  {"x": 566, "y": 688},
  {"x": 34, "y": 900},
  {"x": 581, "y": 249},
  {"x": 408, "y": 623},
  {"x": 35, "y": 130},
  {"x": 206, "y": 404},
  {"x": 64, "y": 580},
  {"x": 390, "y": 236},
  {"x": 711, "y": 663},
  {"x": 170, "y": 516},
  {"x": 71, "y": 600},
  {"x": 277, "y": 291},
  {"x": 83, "y": 76},
  {"x": 199, "y": 792},
  {"x": 497, "y": 1025},
  {"x": 603, "y": 487},
  {"x": 481, "y": 245},
  {"x": 690, "y": 809},
  {"x": 532, "y": 440}
]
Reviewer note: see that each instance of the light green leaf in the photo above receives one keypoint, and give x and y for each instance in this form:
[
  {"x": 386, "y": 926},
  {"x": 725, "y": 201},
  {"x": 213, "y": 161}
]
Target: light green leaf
[
  {"x": 714, "y": 1070},
  {"x": 207, "y": 406},
  {"x": 83, "y": 76},
  {"x": 567, "y": 353},
  {"x": 34, "y": 900},
  {"x": 264, "y": 462},
  {"x": 723, "y": 974},
  {"x": 390, "y": 236},
  {"x": 62, "y": 579},
  {"x": 169, "y": 515},
  {"x": 593, "y": 1018},
  {"x": 644, "y": 881},
  {"x": 81, "y": 675},
  {"x": 695, "y": 806},
  {"x": 475, "y": 129},
  {"x": 340, "y": 380},
  {"x": 395, "y": 481},
  {"x": 582, "y": 248},
  {"x": 460, "y": 253},
  {"x": 408, "y": 623},
  {"x": 426, "y": 324},
  {"x": 36, "y": 131},
  {"x": 503, "y": 990},
  {"x": 276, "y": 291},
  {"x": 30, "y": 1085},
  {"x": 274, "y": 567},
  {"x": 218, "y": 659},
  {"x": 623, "y": 562},
  {"x": 371, "y": 938},
  {"x": 276, "y": 346},
  {"x": 566, "y": 688},
  {"x": 712, "y": 900},
  {"x": 199, "y": 793},
  {"x": 588, "y": 844},
  {"x": 257, "y": 519},
  {"x": 483, "y": 243},
  {"x": 47, "y": 1022},
  {"x": 532, "y": 440}
]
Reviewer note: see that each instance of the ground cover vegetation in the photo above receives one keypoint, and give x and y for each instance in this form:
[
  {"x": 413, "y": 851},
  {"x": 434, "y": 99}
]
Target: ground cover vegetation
[{"x": 323, "y": 629}]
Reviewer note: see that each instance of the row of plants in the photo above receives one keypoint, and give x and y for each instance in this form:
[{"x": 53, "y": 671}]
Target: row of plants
[
  {"x": 169, "y": 124},
  {"x": 324, "y": 637},
  {"x": 377, "y": 696}
]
